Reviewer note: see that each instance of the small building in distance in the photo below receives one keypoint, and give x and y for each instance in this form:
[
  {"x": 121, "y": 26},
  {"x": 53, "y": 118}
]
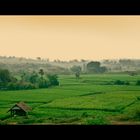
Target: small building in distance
[{"x": 20, "y": 109}]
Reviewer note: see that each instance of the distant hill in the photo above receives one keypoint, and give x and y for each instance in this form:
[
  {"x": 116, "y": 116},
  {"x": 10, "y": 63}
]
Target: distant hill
[{"x": 19, "y": 64}]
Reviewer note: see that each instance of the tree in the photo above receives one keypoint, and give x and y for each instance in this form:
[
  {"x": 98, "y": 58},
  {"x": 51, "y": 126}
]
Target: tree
[
  {"x": 125, "y": 61},
  {"x": 5, "y": 76},
  {"x": 53, "y": 79},
  {"x": 103, "y": 69},
  {"x": 34, "y": 78},
  {"x": 94, "y": 67},
  {"x": 38, "y": 58},
  {"x": 83, "y": 60},
  {"x": 41, "y": 72},
  {"x": 23, "y": 75},
  {"x": 43, "y": 83},
  {"x": 76, "y": 70},
  {"x": 132, "y": 73}
]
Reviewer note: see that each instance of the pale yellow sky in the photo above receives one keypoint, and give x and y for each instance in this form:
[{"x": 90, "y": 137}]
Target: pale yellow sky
[{"x": 70, "y": 37}]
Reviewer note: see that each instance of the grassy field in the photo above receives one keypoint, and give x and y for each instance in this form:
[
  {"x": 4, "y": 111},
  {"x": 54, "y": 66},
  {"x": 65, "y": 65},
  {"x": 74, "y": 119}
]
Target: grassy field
[{"x": 89, "y": 100}]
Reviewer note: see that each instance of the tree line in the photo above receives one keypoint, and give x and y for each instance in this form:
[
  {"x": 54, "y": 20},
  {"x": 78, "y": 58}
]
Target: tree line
[
  {"x": 39, "y": 79},
  {"x": 91, "y": 68},
  {"x": 32, "y": 80}
]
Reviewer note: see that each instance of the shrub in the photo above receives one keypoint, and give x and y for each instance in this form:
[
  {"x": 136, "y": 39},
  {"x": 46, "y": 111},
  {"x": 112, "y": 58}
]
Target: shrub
[
  {"x": 11, "y": 86},
  {"x": 84, "y": 114},
  {"x": 119, "y": 82},
  {"x": 43, "y": 83},
  {"x": 20, "y": 85},
  {"x": 138, "y": 82},
  {"x": 132, "y": 73},
  {"x": 127, "y": 83},
  {"x": 53, "y": 79},
  {"x": 33, "y": 78}
]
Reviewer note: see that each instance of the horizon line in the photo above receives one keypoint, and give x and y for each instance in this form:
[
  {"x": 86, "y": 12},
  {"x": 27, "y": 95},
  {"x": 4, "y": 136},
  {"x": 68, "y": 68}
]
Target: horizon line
[{"x": 43, "y": 58}]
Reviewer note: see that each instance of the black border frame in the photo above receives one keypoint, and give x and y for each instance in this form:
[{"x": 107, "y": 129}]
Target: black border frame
[{"x": 48, "y": 8}]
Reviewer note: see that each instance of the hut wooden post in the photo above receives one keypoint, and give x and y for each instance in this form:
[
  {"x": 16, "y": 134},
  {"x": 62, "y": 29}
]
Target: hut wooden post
[{"x": 20, "y": 109}]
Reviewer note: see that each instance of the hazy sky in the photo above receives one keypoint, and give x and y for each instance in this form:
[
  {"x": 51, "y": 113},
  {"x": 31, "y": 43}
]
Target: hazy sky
[{"x": 70, "y": 37}]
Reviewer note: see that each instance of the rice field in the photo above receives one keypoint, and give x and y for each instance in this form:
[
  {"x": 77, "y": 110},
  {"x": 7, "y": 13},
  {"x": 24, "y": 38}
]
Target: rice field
[{"x": 89, "y": 100}]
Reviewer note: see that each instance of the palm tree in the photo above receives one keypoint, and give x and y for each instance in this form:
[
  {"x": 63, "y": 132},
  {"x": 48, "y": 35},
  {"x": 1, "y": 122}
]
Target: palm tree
[{"x": 41, "y": 72}]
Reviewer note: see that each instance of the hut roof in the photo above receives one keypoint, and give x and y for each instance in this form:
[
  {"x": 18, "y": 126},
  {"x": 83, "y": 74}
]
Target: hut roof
[{"x": 23, "y": 106}]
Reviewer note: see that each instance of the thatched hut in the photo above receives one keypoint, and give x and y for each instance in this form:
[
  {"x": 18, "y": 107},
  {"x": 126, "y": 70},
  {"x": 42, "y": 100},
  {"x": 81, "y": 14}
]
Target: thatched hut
[{"x": 20, "y": 109}]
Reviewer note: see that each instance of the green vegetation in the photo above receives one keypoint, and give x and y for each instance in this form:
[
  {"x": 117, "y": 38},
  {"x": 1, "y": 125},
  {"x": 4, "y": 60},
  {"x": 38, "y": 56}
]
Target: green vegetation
[
  {"x": 92, "y": 99},
  {"x": 105, "y": 92},
  {"x": 94, "y": 67},
  {"x": 27, "y": 81},
  {"x": 138, "y": 82},
  {"x": 119, "y": 82},
  {"x": 77, "y": 70}
]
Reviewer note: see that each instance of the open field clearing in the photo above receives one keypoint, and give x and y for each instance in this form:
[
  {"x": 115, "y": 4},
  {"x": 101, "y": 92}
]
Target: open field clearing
[{"x": 90, "y": 100}]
